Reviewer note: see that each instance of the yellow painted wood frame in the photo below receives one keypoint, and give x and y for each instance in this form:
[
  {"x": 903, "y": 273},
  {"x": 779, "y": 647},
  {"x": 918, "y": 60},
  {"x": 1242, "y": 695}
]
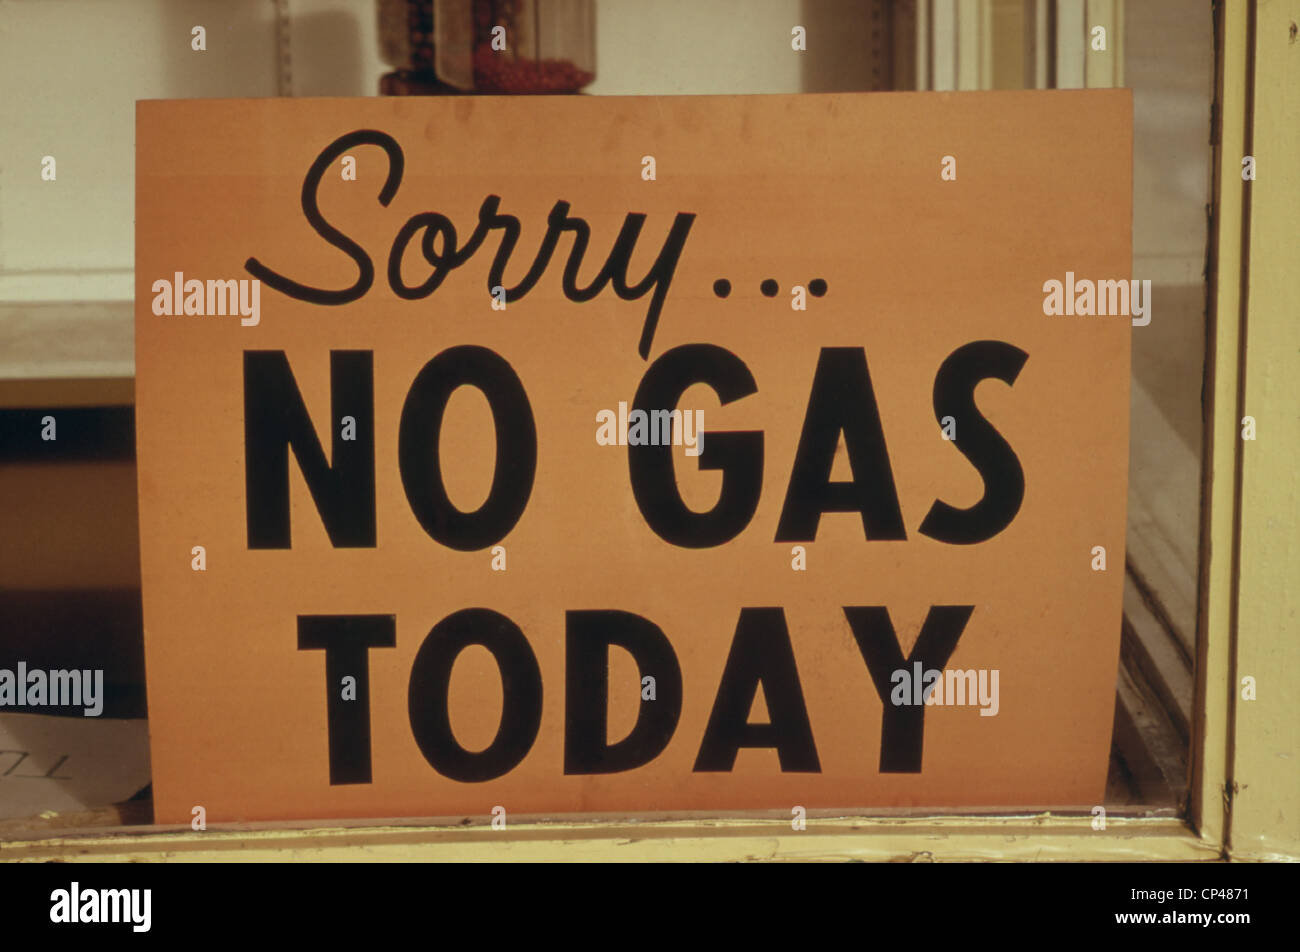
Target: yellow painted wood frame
[{"x": 1262, "y": 786}]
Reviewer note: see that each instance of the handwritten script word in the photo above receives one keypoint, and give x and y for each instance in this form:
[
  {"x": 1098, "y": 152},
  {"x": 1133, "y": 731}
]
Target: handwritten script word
[{"x": 449, "y": 256}]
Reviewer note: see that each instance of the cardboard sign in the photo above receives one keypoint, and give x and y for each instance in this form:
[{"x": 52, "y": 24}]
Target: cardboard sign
[{"x": 420, "y": 535}]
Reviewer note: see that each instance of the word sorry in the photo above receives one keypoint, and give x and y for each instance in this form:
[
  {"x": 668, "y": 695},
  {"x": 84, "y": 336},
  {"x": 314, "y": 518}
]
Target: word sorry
[
  {"x": 57, "y": 688},
  {"x": 447, "y": 256},
  {"x": 665, "y": 427}
]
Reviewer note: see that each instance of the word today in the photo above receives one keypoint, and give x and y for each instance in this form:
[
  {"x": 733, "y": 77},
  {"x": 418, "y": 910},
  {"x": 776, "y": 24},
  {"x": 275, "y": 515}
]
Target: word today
[{"x": 761, "y": 656}]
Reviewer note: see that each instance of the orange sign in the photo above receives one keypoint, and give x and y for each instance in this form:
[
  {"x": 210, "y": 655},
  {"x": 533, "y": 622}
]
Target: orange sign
[{"x": 631, "y": 454}]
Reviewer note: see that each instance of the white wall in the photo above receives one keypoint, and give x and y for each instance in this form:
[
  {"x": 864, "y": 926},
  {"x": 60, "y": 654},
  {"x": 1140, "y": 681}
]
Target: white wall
[{"x": 71, "y": 71}]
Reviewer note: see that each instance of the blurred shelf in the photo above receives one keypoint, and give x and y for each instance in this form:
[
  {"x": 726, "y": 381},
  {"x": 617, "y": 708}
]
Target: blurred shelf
[{"x": 67, "y": 353}]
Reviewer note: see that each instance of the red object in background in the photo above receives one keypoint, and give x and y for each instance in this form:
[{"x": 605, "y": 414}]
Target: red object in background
[
  {"x": 496, "y": 72},
  {"x": 487, "y": 46}
]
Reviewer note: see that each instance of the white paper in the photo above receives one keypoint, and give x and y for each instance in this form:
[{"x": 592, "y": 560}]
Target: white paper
[{"x": 69, "y": 764}]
